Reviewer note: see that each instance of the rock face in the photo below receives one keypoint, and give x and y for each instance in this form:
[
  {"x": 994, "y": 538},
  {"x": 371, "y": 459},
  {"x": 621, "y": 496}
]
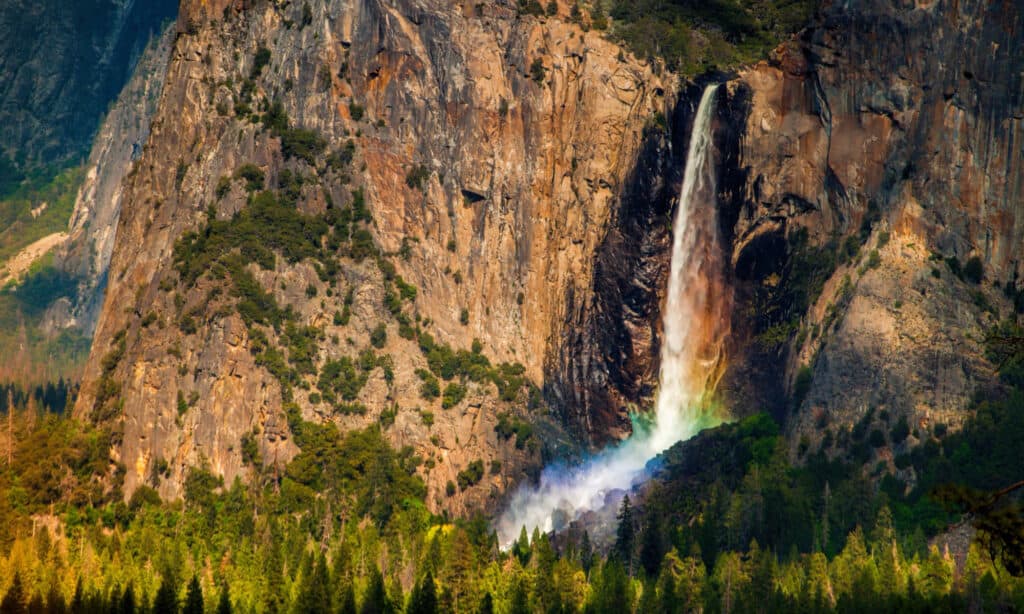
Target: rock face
[
  {"x": 860, "y": 159},
  {"x": 494, "y": 153},
  {"x": 85, "y": 254},
  {"x": 518, "y": 174},
  {"x": 61, "y": 65}
]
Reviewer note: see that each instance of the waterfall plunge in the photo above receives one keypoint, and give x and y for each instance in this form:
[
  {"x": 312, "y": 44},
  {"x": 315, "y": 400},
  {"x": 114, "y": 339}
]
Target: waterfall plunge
[{"x": 695, "y": 324}]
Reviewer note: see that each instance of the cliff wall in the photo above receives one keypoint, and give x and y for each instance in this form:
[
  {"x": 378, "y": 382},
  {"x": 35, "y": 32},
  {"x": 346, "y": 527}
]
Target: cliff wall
[{"x": 490, "y": 151}]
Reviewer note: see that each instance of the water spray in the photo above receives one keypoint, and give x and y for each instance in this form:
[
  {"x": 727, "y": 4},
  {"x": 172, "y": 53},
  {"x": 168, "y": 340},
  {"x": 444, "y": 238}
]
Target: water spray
[{"x": 695, "y": 324}]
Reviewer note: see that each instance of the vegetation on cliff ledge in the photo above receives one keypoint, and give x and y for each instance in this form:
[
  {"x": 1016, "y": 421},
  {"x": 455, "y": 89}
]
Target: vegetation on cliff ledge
[{"x": 695, "y": 36}]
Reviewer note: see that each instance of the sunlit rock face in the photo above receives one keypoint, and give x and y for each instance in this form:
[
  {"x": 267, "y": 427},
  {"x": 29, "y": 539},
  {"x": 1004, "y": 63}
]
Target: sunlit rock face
[
  {"x": 524, "y": 178},
  {"x": 885, "y": 126}
]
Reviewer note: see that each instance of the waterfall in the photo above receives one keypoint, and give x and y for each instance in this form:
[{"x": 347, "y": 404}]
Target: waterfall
[{"x": 695, "y": 321}]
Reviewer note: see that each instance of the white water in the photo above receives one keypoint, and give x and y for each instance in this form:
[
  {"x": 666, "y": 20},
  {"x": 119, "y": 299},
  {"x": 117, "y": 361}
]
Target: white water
[{"x": 690, "y": 353}]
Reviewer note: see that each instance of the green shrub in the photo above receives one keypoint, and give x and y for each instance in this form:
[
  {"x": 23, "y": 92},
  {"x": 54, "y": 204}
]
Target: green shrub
[
  {"x": 471, "y": 475},
  {"x": 302, "y": 144},
  {"x": 200, "y": 486},
  {"x": 900, "y": 432},
  {"x": 509, "y": 425},
  {"x": 417, "y": 177},
  {"x": 259, "y": 62},
  {"x": 340, "y": 377},
  {"x": 430, "y": 388},
  {"x": 954, "y": 265},
  {"x": 453, "y": 395},
  {"x": 531, "y": 7},
  {"x": 275, "y": 118},
  {"x": 802, "y": 385},
  {"x": 974, "y": 270},
  {"x": 392, "y": 303},
  {"x": 379, "y": 336},
  {"x": 342, "y": 158},
  {"x": 537, "y": 71},
  {"x": 851, "y": 248},
  {"x": 356, "y": 111},
  {"x": 251, "y": 450},
  {"x": 407, "y": 291},
  {"x": 351, "y": 409},
  {"x": 464, "y": 316},
  {"x": 252, "y": 175},
  {"x": 388, "y": 415},
  {"x": 363, "y": 246},
  {"x": 223, "y": 187}
]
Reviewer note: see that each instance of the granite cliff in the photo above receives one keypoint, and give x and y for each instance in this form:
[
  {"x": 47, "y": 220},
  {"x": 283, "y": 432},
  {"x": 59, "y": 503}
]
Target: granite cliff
[
  {"x": 375, "y": 201},
  {"x": 469, "y": 163},
  {"x": 873, "y": 207}
]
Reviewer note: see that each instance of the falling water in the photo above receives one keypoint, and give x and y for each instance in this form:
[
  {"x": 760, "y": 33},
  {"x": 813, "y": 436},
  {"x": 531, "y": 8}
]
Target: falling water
[{"x": 695, "y": 325}]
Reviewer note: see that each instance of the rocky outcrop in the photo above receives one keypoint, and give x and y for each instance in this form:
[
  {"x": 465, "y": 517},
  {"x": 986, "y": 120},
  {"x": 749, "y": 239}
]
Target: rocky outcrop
[
  {"x": 492, "y": 151},
  {"x": 873, "y": 157},
  {"x": 61, "y": 65}
]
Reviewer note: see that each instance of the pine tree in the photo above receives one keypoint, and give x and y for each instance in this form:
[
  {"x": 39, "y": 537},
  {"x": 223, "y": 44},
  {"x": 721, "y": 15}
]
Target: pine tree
[
  {"x": 886, "y": 551},
  {"x": 652, "y": 548},
  {"x": 545, "y": 595},
  {"x": 14, "y": 601},
  {"x": 424, "y": 597},
  {"x": 166, "y": 600},
  {"x": 347, "y": 600},
  {"x": 274, "y": 598},
  {"x": 649, "y": 597},
  {"x": 127, "y": 602},
  {"x": 522, "y": 547},
  {"x": 519, "y": 601},
  {"x": 224, "y": 605},
  {"x": 625, "y": 535},
  {"x": 666, "y": 588},
  {"x": 341, "y": 577},
  {"x": 77, "y": 601},
  {"x": 376, "y": 599},
  {"x": 460, "y": 568},
  {"x": 313, "y": 597},
  {"x": 598, "y": 20},
  {"x": 611, "y": 591},
  {"x": 586, "y": 553},
  {"x": 55, "y": 603},
  {"x": 486, "y": 605},
  {"x": 193, "y": 598},
  {"x": 730, "y": 577},
  {"x": 36, "y": 605}
]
